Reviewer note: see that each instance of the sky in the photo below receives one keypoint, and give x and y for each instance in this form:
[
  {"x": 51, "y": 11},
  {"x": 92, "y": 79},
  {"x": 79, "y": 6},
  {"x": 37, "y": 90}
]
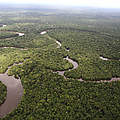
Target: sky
[{"x": 90, "y": 3}]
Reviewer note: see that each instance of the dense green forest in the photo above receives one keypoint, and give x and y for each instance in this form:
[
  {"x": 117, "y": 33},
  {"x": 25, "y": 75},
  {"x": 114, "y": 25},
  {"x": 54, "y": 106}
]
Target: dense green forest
[
  {"x": 3, "y": 92},
  {"x": 86, "y": 48},
  {"x": 47, "y": 95},
  {"x": 6, "y": 34}
]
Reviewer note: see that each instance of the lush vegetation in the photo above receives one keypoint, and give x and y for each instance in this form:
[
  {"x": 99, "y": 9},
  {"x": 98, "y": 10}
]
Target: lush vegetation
[
  {"x": 86, "y": 48},
  {"x": 5, "y": 34},
  {"x": 3, "y": 93},
  {"x": 9, "y": 56},
  {"x": 47, "y": 95}
]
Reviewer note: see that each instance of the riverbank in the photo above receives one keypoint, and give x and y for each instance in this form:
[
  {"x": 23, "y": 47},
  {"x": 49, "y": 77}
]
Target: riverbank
[
  {"x": 14, "y": 92},
  {"x": 75, "y": 65}
]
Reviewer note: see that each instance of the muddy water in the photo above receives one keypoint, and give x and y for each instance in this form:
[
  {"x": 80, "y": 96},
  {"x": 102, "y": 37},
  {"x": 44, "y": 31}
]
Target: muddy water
[
  {"x": 44, "y": 32},
  {"x": 20, "y": 34},
  {"x": 104, "y": 58},
  {"x": 75, "y": 65},
  {"x": 59, "y": 44},
  {"x": 14, "y": 93},
  {"x": 15, "y": 88}
]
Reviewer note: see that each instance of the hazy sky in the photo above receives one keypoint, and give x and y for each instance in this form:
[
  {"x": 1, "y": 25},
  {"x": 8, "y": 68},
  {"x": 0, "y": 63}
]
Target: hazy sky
[{"x": 92, "y": 3}]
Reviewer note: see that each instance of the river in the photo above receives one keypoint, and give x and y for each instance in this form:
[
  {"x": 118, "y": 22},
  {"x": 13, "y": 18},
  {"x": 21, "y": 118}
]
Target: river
[
  {"x": 15, "y": 88},
  {"x": 14, "y": 92}
]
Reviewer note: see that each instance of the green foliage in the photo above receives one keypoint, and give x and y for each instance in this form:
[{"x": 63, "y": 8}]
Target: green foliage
[
  {"x": 86, "y": 48},
  {"x": 3, "y": 93},
  {"x": 47, "y": 95},
  {"x": 7, "y": 34},
  {"x": 9, "y": 56}
]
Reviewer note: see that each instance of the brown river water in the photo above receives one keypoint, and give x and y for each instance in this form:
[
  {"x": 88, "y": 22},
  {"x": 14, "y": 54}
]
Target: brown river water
[
  {"x": 75, "y": 65},
  {"x": 15, "y": 88},
  {"x": 14, "y": 92}
]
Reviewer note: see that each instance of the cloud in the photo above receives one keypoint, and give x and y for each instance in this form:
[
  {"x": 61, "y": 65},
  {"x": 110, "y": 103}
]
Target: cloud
[{"x": 94, "y": 3}]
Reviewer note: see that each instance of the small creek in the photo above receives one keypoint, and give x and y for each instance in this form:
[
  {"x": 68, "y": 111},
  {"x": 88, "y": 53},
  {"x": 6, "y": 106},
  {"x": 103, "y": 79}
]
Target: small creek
[
  {"x": 75, "y": 65},
  {"x": 104, "y": 58},
  {"x": 20, "y": 34},
  {"x": 44, "y": 32},
  {"x": 59, "y": 44}
]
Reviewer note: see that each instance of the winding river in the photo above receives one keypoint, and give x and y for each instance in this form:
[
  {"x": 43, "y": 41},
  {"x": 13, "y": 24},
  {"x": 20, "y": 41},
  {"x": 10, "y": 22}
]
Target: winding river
[
  {"x": 15, "y": 88},
  {"x": 14, "y": 92},
  {"x": 75, "y": 65}
]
